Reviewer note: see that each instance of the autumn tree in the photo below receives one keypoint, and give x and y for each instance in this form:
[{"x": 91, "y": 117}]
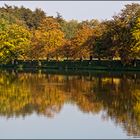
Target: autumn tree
[
  {"x": 117, "y": 40},
  {"x": 136, "y": 36},
  {"x": 81, "y": 48},
  {"x": 105, "y": 43},
  {"x": 47, "y": 39},
  {"x": 124, "y": 23},
  {"x": 65, "y": 52},
  {"x": 14, "y": 41}
]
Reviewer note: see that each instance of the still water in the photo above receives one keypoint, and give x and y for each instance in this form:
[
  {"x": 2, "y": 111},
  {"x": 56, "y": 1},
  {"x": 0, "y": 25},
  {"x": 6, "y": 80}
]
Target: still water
[{"x": 44, "y": 105}]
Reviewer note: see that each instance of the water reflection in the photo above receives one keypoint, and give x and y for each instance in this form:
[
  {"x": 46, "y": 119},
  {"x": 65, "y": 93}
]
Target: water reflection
[{"x": 22, "y": 94}]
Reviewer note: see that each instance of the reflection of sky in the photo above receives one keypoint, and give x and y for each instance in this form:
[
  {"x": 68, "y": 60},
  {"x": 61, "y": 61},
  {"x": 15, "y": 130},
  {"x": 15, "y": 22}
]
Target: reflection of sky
[
  {"x": 80, "y": 10},
  {"x": 69, "y": 123}
]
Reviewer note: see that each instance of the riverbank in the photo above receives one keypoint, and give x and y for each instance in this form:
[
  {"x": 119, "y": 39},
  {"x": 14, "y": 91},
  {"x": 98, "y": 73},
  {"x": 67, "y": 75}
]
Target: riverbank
[{"x": 103, "y": 65}]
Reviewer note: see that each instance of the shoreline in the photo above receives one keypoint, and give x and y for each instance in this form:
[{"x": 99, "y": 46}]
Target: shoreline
[
  {"x": 84, "y": 65},
  {"x": 87, "y": 73}
]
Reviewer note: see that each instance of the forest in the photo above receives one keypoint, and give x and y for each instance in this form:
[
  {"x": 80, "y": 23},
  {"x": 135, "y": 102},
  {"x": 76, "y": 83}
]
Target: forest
[{"x": 33, "y": 35}]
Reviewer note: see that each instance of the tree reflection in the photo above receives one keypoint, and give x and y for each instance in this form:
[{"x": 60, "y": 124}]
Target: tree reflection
[{"x": 21, "y": 94}]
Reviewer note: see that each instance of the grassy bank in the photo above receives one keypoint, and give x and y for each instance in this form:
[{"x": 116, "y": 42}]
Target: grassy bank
[{"x": 103, "y": 65}]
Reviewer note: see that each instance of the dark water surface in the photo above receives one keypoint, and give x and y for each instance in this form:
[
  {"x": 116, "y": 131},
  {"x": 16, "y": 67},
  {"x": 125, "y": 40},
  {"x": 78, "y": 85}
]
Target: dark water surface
[{"x": 43, "y": 105}]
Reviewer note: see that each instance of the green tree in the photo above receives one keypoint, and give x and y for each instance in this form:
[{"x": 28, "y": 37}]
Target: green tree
[{"x": 69, "y": 28}]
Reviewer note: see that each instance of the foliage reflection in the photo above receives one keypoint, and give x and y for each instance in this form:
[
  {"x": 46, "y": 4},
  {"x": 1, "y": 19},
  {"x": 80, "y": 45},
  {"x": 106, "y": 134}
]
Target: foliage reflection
[{"x": 118, "y": 97}]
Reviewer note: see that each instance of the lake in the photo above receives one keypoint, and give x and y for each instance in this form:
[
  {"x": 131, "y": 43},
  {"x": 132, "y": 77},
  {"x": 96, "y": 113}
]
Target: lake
[{"x": 69, "y": 105}]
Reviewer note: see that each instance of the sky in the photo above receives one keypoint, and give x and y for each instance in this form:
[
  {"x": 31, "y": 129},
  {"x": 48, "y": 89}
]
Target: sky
[{"x": 79, "y": 10}]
